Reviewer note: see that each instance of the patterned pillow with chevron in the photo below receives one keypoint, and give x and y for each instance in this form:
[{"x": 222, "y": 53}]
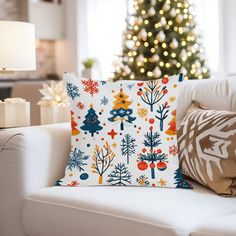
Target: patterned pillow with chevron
[
  {"x": 207, "y": 148},
  {"x": 123, "y": 133}
]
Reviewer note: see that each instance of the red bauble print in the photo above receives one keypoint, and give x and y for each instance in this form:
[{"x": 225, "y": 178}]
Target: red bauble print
[
  {"x": 165, "y": 80},
  {"x": 165, "y": 91},
  {"x": 151, "y": 121},
  {"x": 140, "y": 84},
  {"x": 144, "y": 150},
  {"x": 142, "y": 165},
  {"x": 159, "y": 151},
  {"x": 161, "y": 166},
  {"x": 139, "y": 93}
]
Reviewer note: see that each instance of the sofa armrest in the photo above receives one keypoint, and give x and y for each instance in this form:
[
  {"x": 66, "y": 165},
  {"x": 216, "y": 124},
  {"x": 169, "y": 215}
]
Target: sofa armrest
[{"x": 30, "y": 158}]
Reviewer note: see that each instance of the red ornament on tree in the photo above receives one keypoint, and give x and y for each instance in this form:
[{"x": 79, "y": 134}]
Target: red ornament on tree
[
  {"x": 144, "y": 150},
  {"x": 140, "y": 84},
  {"x": 142, "y": 165},
  {"x": 139, "y": 93},
  {"x": 161, "y": 166},
  {"x": 159, "y": 151}
]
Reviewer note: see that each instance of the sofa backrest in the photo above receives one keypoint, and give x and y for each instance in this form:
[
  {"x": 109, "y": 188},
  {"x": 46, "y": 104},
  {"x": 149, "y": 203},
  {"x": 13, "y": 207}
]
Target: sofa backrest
[{"x": 213, "y": 94}]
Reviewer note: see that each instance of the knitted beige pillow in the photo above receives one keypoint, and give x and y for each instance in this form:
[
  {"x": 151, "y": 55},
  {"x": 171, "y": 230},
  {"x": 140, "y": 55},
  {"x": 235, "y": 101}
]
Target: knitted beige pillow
[{"x": 207, "y": 148}]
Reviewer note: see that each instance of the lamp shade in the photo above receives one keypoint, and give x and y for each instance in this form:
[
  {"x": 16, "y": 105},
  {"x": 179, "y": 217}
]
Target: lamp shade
[{"x": 17, "y": 46}]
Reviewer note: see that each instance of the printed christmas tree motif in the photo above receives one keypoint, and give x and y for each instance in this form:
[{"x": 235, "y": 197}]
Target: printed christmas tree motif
[
  {"x": 104, "y": 101},
  {"x": 90, "y": 86},
  {"x": 121, "y": 111},
  {"x": 143, "y": 181},
  {"x": 80, "y": 105},
  {"x": 77, "y": 160},
  {"x": 73, "y": 183},
  {"x": 142, "y": 113},
  {"x": 173, "y": 150},
  {"x": 91, "y": 122},
  {"x": 120, "y": 175},
  {"x": 152, "y": 140},
  {"x": 180, "y": 182},
  {"x": 162, "y": 114},
  {"x": 102, "y": 158},
  {"x": 172, "y": 125},
  {"x": 128, "y": 146},
  {"x": 58, "y": 182},
  {"x": 74, "y": 130},
  {"x": 152, "y": 93},
  {"x": 72, "y": 91}
]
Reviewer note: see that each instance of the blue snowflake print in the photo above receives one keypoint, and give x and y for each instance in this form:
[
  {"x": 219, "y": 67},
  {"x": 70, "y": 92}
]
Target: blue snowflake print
[
  {"x": 72, "y": 91},
  {"x": 77, "y": 160},
  {"x": 102, "y": 82},
  {"x": 130, "y": 86},
  {"x": 104, "y": 101}
]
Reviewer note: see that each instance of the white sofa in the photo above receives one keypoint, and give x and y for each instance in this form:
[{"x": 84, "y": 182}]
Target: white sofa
[{"x": 33, "y": 158}]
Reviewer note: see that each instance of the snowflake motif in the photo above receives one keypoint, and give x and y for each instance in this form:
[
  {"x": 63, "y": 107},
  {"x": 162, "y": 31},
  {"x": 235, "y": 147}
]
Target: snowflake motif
[
  {"x": 90, "y": 86},
  {"x": 172, "y": 99},
  {"x": 142, "y": 112},
  {"x": 77, "y": 160},
  {"x": 130, "y": 86},
  {"x": 102, "y": 82},
  {"x": 162, "y": 182},
  {"x": 143, "y": 181},
  {"x": 80, "y": 105},
  {"x": 72, "y": 91},
  {"x": 104, "y": 101},
  {"x": 173, "y": 150}
]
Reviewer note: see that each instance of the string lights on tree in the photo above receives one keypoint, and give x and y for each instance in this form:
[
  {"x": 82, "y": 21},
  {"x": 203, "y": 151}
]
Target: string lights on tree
[{"x": 161, "y": 40}]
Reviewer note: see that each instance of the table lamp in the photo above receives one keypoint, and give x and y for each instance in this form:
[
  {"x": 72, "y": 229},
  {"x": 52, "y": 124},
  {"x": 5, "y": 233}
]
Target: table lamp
[
  {"x": 17, "y": 53},
  {"x": 17, "y": 46}
]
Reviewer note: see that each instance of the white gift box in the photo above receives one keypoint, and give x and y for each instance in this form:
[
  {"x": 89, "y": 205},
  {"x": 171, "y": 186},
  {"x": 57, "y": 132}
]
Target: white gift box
[
  {"x": 14, "y": 113},
  {"x": 54, "y": 114}
]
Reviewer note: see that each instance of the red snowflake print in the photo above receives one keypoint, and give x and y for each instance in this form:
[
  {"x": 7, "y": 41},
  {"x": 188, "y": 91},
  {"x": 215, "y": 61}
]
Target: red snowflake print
[
  {"x": 80, "y": 105},
  {"x": 90, "y": 86},
  {"x": 173, "y": 150}
]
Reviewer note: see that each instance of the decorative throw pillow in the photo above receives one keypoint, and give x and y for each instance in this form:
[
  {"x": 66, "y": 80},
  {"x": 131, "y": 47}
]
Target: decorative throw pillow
[
  {"x": 123, "y": 133},
  {"x": 207, "y": 148}
]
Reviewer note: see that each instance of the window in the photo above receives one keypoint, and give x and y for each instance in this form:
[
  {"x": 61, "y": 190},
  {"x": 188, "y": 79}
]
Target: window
[
  {"x": 106, "y": 24},
  {"x": 207, "y": 18}
]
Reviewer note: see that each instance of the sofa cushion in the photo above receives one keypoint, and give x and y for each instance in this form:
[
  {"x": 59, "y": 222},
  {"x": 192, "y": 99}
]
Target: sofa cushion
[
  {"x": 222, "y": 226},
  {"x": 207, "y": 143},
  {"x": 140, "y": 211},
  {"x": 123, "y": 133}
]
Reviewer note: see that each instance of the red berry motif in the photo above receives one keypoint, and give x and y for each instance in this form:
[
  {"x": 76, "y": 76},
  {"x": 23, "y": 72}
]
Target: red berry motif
[
  {"x": 151, "y": 121},
  {"x": 165, "y": 80},
  {"x": 165, "y": 91},
  {"x": 159, "y": 151},
  {"x": 139, "y": 93},
  {"x": 144, "y": 150},
  {"x": 152, "y": 165},
  {"x": 151, "y": 128},
  {"x": 142, "y": 165},
  {"x": 140, "y": 84},
  {"x": 161, "y": 166}
]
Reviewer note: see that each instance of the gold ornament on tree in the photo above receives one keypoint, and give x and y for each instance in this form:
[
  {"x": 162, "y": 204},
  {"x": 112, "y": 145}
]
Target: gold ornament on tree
[
  {"x": 157, "y": 72},
  {"x": 172, "y": 12},
  {"x": 143, "y": 34},
  {"x": 166, "y": 7},
  {"x": 179, "y": 18}
]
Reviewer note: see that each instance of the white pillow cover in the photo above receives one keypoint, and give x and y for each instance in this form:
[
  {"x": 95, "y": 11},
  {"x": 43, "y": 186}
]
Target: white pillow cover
[{"x": 123, "y": 133}]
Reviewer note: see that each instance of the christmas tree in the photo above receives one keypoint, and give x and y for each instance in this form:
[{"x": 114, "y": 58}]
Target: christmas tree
[
  {"x": 161, "y": 40},
  {"x": 74, "y": 130},
  {"x": 121, "y": 111},
  {"x": 172, "y": 125},
  {"x": 180, "y": 182},
  {"x": 91, "y": 122}
]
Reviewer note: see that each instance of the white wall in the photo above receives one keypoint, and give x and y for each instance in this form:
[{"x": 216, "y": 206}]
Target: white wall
[
  {"x": 228, "y": 36},
  {"x": 66, "y": 50}
]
